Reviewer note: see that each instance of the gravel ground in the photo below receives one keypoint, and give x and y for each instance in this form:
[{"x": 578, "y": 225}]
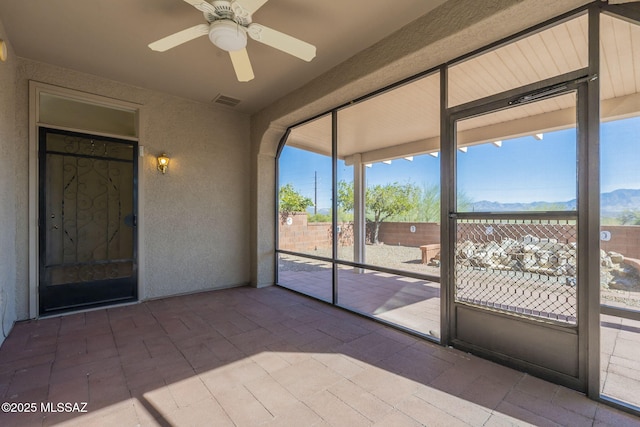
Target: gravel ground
[{"x": 404, "y": 258}]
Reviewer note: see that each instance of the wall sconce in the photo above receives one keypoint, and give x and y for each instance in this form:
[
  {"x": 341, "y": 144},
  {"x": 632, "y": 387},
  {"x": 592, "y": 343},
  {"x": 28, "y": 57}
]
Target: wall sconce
[
  {"x": 163, "y": 162},
  {"x": 3, "y": 51}
]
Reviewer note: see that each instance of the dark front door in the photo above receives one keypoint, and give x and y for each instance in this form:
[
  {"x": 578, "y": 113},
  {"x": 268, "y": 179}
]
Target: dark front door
[{"x": 87, "y": 220}]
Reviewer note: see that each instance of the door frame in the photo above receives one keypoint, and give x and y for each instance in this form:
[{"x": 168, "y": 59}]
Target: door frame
[
  {"x": 104, "y": 286},
  {"x": 36, "y": 89},
  {"x": 584, "y": 83}
]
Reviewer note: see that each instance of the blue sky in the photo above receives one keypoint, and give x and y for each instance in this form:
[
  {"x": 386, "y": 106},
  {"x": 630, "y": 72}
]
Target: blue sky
[
  {"x": 521, "y": 170},
  {"x": 620, "y": 155}
]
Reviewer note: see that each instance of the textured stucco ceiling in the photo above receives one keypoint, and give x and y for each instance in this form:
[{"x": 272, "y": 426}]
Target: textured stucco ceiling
[{"x": 109, "y": 38}]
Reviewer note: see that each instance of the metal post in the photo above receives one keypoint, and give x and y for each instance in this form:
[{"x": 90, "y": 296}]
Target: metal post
[
  {"x": 589, "y": 189},
  {"x": 447, "y": 205},
  {"x": 334, "y": 203},
  {"x": 359, "y": 189}
]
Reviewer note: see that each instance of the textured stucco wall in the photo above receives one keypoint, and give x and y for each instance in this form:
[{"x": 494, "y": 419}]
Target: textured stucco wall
[
  {"x": 7, "y": 191},
  {"x": 453, "y": 29},
  {"x": 193, "y": 219}
]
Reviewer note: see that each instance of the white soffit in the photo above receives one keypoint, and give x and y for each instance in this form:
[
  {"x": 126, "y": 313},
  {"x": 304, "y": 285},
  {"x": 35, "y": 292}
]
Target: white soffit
[{"x": 406, "y": 121}]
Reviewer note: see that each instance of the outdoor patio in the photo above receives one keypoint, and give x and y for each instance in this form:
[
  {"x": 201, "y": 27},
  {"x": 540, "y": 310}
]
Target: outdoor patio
[
  {"x": 412, "y": 303},
  {"x": 266, "y": 356}
]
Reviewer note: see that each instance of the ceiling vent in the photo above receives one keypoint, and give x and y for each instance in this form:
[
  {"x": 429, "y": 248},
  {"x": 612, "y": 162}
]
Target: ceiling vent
[{"x": 226, "y": 100}]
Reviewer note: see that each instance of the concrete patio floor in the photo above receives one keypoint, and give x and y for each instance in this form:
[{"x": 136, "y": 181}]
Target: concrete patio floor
[
  {"x": 415, "y": 304},
  {"x": 268, "y": 356},
  {"x": 404, "y": 301}
]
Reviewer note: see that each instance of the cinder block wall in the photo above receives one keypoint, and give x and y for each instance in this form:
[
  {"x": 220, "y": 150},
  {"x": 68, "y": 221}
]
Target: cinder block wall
[
  {"x": 297, "y": 234},
  {"x": 625, "y": 239},
  {"x": 301, "y": 235},
  {"x": 400, "y": 233}
]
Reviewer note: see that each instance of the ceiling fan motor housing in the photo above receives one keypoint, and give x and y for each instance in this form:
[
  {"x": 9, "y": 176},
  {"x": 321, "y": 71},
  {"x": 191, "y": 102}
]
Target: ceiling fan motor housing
[
  {"x": 228, "y": 25},
  {"x": 228, "y": 35}
]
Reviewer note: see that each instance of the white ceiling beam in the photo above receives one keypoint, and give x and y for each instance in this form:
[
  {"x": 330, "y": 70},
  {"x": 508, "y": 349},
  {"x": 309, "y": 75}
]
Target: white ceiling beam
[
  {"x": 611, "y": 109},
  {"x": 413, "y": 148}
]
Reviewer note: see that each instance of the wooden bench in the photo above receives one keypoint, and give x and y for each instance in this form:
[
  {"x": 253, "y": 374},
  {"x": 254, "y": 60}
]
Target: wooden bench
[{"x": 429, "y": 251}]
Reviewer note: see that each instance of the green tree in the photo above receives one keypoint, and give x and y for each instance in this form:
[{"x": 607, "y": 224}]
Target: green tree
[
  {"x": 320, "y": 217},
  {"x": 464, "y": 201},
  {"x": 381, "y": 201},
  {"x": 345, "y": 196},
  {"x": 385, "y": 201},
  {"x": 549, "y": 207},
  {"x": 427, "y": 206},
  {"x": 629, "y": 217},
  {"x": 292, "y": 201}
]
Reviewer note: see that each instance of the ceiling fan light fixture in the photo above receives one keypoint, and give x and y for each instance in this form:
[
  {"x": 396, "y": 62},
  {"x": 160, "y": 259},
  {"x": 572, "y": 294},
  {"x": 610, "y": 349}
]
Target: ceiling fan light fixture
[
  {"x": 228, "y": 35},
  {"x": 228, "y": 24}
]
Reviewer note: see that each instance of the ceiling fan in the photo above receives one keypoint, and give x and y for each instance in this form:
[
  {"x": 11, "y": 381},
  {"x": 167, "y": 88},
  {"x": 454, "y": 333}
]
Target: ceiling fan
[{"x": 228, "y": 24}]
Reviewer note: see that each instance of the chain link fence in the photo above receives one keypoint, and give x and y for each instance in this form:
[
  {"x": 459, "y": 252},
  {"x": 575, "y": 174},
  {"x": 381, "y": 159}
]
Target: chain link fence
[{"x": 525, "y": 267}]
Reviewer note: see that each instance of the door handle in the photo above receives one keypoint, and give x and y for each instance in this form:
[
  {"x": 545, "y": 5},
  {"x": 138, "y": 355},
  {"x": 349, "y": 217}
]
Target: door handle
[{"x": 55, "y": 227}]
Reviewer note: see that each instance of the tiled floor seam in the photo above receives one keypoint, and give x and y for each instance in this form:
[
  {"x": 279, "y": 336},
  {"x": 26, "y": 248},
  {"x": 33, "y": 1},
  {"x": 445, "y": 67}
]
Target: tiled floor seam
[
  {"x": 311, "y": 409},
  {"x": 347, "y": 403},
  {"x": 119, "y": 356},
  {"x": 221, "y": 406},
  {"x": 413, "y": 395},
  {"x": 553, "y": 402},
  {"x": 540, "y": 414},
  {"x": 259, "y": 401},
  {"x": 446, "y": 411},
  {"x": 513, "y": 387}
]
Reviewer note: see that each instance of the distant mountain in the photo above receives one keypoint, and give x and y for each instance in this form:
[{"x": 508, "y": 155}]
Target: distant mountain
[
  {"x": 617, "y": 201},
  {"x": 323, "y": 211},
  {"x": 486, "y": 206},
  {"x": 611, "y": 204}
]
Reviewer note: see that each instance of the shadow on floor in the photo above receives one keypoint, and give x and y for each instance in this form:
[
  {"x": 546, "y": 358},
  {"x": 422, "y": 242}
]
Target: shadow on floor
[{"x": 266, "y": 356}]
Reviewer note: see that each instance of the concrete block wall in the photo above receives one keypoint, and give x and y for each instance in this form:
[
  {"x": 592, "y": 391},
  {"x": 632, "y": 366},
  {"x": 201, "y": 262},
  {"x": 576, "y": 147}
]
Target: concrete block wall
[
  {"x": 402, "y": 233},
  {"x": 625, "y": 239},
  {"x": 301, "y": 235},
  {"x": 297, "y": 234}
]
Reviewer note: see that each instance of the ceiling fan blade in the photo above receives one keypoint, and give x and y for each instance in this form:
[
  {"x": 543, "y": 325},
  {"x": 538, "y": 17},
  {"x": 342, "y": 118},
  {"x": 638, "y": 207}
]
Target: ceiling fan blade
[
  {"x": 242, "y": 65},
  {"x": 180, "y": 37},
  {"x": 246, "y": 8},
  {"x": 283, "y": 42},
  {"x": 202, "y": 6}
]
